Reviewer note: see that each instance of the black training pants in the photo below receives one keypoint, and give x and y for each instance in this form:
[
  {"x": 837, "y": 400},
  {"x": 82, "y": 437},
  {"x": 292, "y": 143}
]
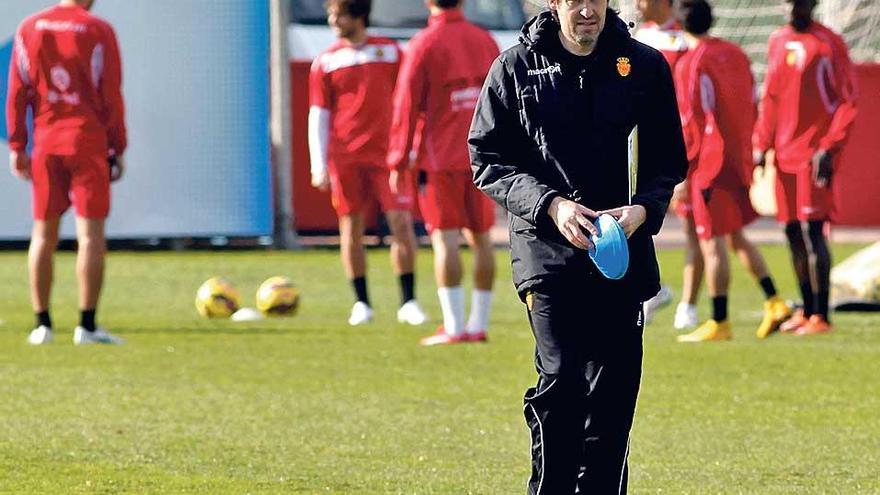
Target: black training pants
[{"x": 589, "y": 360}]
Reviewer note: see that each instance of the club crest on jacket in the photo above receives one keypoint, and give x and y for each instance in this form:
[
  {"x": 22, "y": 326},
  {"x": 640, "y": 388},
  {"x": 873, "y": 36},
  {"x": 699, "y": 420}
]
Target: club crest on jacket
[{"x": 623, "y": 66}]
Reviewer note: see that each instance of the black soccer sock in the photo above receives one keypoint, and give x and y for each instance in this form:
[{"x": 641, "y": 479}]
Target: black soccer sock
[
  {"x": 407, "y": 287},
  {"x": 800, "y": 258},
  {"x": 43, "y": 319},
  {"x": 87, "y": 319},
  {"x": 822, "y": 304},
  {"x": 809, "y": 299},
  {"x": 822, "y": 256},
  {"x": 769, "y": 288},
  {"x": 719, "y": 308},
  {"x": 360, "y": 289}
]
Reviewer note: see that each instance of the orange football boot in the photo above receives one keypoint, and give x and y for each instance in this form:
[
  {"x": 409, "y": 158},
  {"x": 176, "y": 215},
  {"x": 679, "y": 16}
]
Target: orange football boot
[
  {"x": 796, "y": 321},
  {"x": 816, "y": 325}
]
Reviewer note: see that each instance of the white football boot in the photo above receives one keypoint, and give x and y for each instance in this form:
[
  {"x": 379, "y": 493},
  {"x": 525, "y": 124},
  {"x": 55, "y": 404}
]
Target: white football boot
[
  {"x": 361, "y": 313},
  {"x": 685, "y": 316},
  {"x": 662, "y": 299},
  {"x": 81, "y": 336},
  {"x": 40, "y": 335},
  {"x": 411, "y": 313}
]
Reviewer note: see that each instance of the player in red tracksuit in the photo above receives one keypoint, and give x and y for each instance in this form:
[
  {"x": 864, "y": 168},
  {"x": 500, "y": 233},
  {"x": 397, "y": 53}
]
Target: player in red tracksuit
[
  {"x": 440, "y": 83},
  {"x": 350, "y": 89},
  {"x": 660, "y": 30},
  {"x": 66, "y": 69},
  {"x": 715, "y": 91},
  {"x": 808, "y": 107}
]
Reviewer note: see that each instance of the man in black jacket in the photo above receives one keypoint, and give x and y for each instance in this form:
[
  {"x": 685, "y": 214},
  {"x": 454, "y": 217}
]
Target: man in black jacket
[{"x": 561, "y": 122}]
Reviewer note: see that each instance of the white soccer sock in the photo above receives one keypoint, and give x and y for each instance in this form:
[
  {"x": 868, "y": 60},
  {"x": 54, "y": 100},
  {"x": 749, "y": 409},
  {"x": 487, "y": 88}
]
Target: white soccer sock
[
  {"x": 452, "y": 305},
  {"x": 481, "y": 306}
]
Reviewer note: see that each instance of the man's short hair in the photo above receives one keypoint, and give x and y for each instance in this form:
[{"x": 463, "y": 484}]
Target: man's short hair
[
  {"x": 696, "y": 16},
  {"x": 354, "y": 8},
  {"x": 446, "y": 4}
]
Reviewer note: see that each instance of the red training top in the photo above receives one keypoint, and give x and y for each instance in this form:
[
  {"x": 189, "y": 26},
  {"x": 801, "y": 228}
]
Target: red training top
[
  {"x": 66, "y": 67},
  {"x": 440, "y": 80},
  {"x": 668, "y": 39},
  {"x": 716, "y": 98},
  {"x": 354, "y": 83},
  {"x": 809, "y": 98}
]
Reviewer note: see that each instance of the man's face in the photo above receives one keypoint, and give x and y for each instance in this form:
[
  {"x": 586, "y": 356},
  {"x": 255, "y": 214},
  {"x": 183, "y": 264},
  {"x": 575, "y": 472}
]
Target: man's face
[
  {"x": 799, "y": 13},
  {"x": 87, "y": 4},
  {"x": 343, "y": 24},
  {"x": 581, "y": 21}
]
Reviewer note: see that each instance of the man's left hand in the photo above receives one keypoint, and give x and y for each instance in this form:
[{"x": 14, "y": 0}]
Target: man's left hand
[
  {"x": 822, "y": 162},
  {"x": 630, "y": 218},
  {"x": 20, "y": 164}
]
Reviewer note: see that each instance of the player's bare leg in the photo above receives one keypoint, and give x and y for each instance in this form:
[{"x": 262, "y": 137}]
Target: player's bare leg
[
  {"x": 447, "y": 257},
  {"x": 44, "y": 240},
  {"x": 91, "y": 251},
  {"x": 692, "y": 278},
  {"x": 351, "y": 245},
  {"x": 403, "y": 256},
  {"x": 403, "y": 244},
  {"x": 776, "y": 310},
  {"x": 748, "y": 255},
  {"x": 354, "y": 260},
  {"x": 448, "y": 273},
  {"x": 477, "y": 326},
  {"x": 717, "y": 268},
  {"x": 693, "y": 264}
]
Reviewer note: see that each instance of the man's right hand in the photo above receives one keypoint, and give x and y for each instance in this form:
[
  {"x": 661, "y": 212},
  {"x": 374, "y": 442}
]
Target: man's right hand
[
  {"x": 20, "y": 164},
  {"x": 572, "y": 219},
  {"x": 320, "y": 180},
  {"x": 118, "y": 169}
]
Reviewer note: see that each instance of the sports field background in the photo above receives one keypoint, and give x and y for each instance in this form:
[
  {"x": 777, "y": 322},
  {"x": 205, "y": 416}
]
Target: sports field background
[{"x": 310, "y": 405}]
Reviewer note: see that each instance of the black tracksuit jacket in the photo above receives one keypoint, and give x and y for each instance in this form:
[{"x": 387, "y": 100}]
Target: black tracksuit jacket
[{"x": 549, "y": 123}]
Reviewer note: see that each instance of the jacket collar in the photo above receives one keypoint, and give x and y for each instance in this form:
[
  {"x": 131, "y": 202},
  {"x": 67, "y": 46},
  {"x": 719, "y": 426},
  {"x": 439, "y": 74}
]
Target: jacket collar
[
  {"x": 445, "y": 16},
  {"x": 538, "y": 33}
]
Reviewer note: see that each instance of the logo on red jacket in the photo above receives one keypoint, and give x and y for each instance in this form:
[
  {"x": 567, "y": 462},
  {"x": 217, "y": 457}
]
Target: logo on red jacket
[
  {"x": 60, "y": 78},
  {"x": 623, "y": 67}
]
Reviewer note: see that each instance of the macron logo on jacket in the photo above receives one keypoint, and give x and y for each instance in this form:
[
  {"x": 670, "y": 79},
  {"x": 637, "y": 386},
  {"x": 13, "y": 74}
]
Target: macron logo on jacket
[{"x": 553, "y": 69}]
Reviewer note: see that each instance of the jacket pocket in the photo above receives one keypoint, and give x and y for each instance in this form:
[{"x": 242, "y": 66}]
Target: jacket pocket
[{"x": 528, "y": 113}]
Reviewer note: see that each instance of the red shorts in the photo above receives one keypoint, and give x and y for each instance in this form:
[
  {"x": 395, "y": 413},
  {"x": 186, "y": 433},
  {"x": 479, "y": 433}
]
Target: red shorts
[
  {"x": 727, "y": 210},
  {"x": 355, "y": 188},
  {"x": 799, "y": 199},
  {"x": 58, "y": 181},
  {"x": 450, "y": 200}
]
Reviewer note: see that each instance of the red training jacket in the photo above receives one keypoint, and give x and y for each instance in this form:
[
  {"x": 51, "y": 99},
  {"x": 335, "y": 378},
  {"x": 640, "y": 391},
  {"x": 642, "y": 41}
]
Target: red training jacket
[
  {"x": 716, "y": 97},
  {"x": 440, "y": 80},
  {"x": 66, "y": 67},
  {"x": 809, "y": 98}
]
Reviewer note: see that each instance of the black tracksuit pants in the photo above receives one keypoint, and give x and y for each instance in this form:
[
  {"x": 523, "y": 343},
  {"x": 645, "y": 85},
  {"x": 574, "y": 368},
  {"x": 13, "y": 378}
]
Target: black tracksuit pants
[{"x": 589, "y": 358}]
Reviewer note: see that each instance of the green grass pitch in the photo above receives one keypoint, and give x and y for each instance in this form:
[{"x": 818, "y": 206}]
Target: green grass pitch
[{"x": 309, "y": 405}]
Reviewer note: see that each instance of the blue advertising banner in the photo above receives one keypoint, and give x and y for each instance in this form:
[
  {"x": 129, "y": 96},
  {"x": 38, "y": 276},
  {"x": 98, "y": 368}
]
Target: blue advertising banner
[{"x": 196, "y": 85}]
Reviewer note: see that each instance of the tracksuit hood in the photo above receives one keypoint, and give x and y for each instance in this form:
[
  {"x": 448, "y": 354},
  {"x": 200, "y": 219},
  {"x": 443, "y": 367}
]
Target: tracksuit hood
[{"x": 537, "y": 33}]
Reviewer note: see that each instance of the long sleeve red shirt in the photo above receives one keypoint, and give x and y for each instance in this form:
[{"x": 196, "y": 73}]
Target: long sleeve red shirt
[
  {"x": 716, "y": 97},
  {"x": 354, "y": 83},
  {"x": 66, "y": 67},
  {"x": 809, "y": 100},
  {"x": 440, "y": 80},
  {"x": 667, "y": 38}
]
